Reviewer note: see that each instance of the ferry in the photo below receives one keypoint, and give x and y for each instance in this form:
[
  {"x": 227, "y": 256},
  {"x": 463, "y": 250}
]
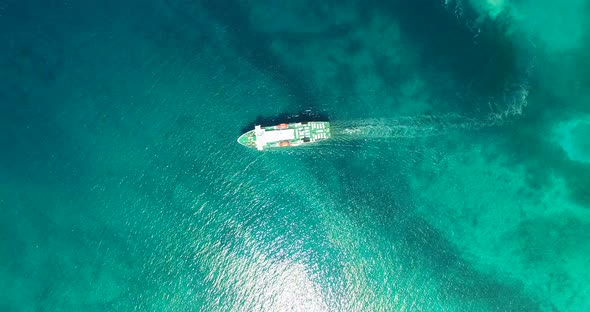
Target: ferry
[{"x": 286, "y": 135}]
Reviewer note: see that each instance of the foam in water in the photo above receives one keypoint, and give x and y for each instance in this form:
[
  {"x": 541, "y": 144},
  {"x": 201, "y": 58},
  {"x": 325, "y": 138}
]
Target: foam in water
[
  {"x": 431, "y": 125},
  {"x": 402, "y": 127}
]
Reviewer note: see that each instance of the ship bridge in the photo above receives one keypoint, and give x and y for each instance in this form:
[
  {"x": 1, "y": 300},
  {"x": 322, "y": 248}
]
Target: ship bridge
[{"x": 263, "y": 137}]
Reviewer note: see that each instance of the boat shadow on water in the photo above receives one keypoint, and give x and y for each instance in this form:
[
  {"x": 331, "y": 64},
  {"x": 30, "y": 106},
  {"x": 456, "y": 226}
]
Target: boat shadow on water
[{"x": 303, "y": 116}]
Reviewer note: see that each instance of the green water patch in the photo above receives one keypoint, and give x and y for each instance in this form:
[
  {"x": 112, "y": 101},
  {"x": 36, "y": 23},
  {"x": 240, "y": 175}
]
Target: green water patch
[
  {"x": 387, "y": 208},
  {"x": 547, "y": 146},
  {"x": 573, "y": 136},
  {"x": 58, "y": 248},
  {"x": 255, "y": 47},
  {"x": 380, "y": 62},
  {"x": 563, "y": 237},
  {"x": 546, "y": 22},
  {"x": 104, "y": 217},
  {"x": 483, "y": 204},
  {"x": 467, "y": 55}
]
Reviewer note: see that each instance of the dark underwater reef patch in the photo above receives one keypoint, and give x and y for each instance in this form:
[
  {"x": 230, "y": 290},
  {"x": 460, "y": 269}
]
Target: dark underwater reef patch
[
  {"x": 255, "y": 47},
  {"x": 484, "y": 63},
  {"x": 530, "y": 142}
]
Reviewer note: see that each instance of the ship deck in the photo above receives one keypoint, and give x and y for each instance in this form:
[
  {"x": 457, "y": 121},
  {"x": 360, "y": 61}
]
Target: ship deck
[{"x": 282, "y": 135}]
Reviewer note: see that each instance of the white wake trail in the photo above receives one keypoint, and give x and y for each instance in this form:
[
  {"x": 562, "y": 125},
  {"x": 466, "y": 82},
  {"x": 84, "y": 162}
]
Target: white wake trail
[{"x": 409, "y": 127}]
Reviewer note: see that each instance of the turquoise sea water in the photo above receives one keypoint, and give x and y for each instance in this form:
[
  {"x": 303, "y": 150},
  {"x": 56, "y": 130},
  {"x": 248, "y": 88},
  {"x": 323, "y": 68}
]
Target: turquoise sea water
[{"x": 458, "y": 178}]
